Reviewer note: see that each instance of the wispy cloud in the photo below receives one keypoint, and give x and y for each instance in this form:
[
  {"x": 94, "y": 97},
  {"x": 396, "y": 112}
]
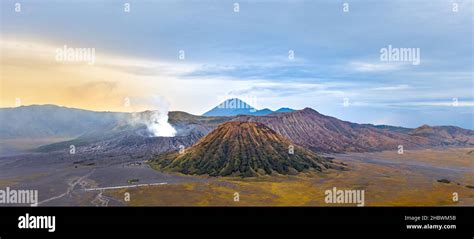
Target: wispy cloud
[
  {"x": 374, "y": 67},
  {"x": 279, "y": 89},
  {"x": 392, "y": 88},
  {"x": 438, "y": 103}
]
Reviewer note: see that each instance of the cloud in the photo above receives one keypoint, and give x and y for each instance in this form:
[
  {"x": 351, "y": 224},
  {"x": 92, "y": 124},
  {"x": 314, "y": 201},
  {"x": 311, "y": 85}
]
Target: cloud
[
  {"x": 101, "y": 86},
  {"x": 374, "y": 67},
  {"x": 392, "y": 88},
  {"x": 412, "y": 104},
  {"x": 453, "y": 103},
  {"x": 258, "y": 70},
  {"x": 280, "y": 89}
]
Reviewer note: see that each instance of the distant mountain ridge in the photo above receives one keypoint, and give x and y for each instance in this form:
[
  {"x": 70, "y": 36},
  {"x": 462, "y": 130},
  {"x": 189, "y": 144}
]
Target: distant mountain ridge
[
  {"x": 445, "y": 135},
  {"x": 235, "y": 106},
  {"x": 105, "y": 132},
  {"x": 37, "y": 121}
]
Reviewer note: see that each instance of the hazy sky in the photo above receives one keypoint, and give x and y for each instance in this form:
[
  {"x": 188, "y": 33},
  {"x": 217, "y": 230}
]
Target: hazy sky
[{"x": 245, "y": 54}]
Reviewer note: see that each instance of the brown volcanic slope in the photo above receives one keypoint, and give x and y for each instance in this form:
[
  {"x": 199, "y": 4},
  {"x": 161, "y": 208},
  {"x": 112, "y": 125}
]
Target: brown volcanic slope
[
  {"x": 322, "y": 133},
  {"x": 242, "y": 149},
  {"x": 306, "y": 128}
]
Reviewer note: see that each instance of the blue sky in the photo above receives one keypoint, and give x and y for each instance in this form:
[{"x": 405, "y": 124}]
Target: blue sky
[{"x": 337, "y": 54}]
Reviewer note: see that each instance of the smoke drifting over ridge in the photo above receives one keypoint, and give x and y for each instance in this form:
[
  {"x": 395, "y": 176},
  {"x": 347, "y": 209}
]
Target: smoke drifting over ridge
[
  {"x": 156, "y": 120},
  {"x": 158, "y": 124}
]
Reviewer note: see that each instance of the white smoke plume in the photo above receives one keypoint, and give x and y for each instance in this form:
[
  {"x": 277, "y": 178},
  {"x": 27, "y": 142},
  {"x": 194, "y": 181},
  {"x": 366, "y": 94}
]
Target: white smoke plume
[
  {"x": 156, "y": 120},
  {"x": 158, "y": 124}
]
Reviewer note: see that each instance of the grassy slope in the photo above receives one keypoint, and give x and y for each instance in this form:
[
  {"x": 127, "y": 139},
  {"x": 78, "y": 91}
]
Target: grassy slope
[{"x": 384, "y": 185}]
